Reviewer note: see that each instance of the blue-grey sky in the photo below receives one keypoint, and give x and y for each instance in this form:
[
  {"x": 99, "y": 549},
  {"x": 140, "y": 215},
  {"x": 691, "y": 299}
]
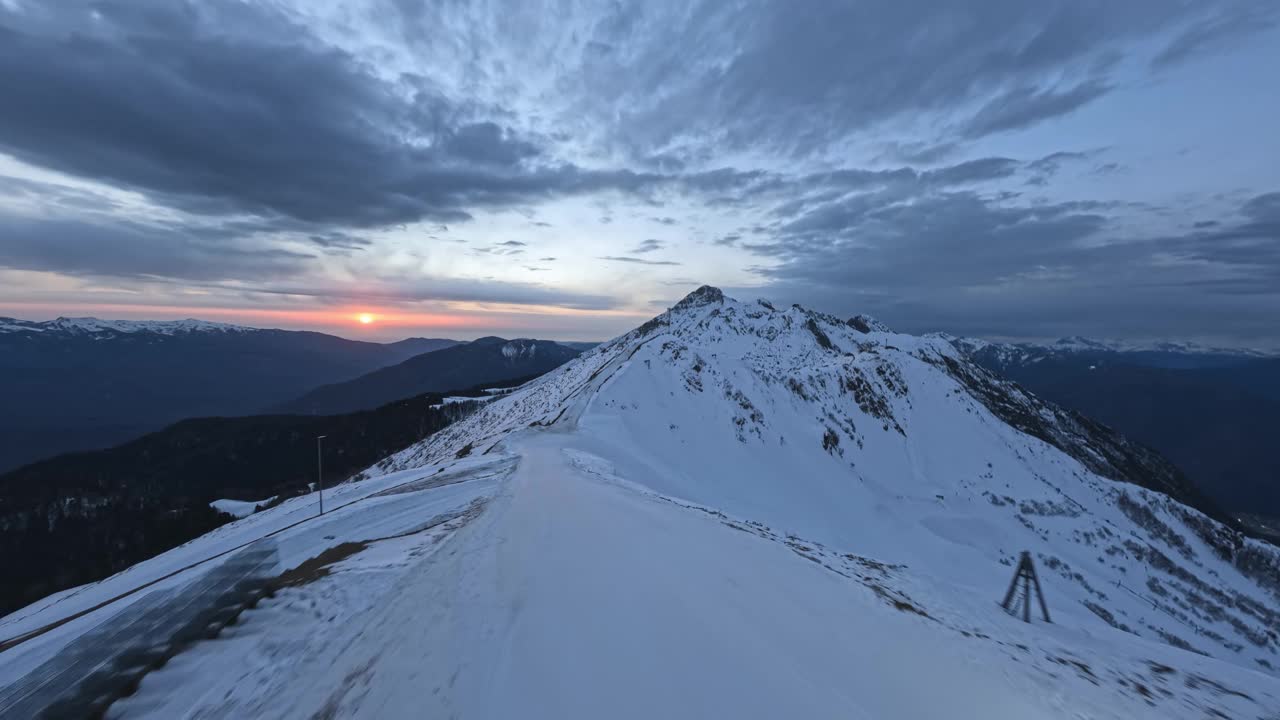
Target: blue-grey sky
[{"x": 1009, "y": 168}]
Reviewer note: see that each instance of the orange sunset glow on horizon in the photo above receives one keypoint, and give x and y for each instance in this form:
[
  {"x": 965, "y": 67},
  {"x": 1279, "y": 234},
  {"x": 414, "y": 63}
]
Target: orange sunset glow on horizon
[{"x": 457, "y": 320}]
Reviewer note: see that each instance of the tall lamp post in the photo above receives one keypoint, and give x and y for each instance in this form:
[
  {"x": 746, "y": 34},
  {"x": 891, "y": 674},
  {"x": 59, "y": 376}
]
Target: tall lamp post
[{"x": 320, "y": 471}]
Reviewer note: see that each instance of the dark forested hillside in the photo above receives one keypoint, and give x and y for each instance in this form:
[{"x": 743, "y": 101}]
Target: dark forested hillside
[
  {"x": 1218, "y": 424},
  {"x": 486, "y": 359},
  {"x": 82, "y": 516},
  {"x": 78, "y": 384}
]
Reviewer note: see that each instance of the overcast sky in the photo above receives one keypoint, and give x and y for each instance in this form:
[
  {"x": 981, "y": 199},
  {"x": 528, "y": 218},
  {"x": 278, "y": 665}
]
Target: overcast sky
[{"x": 1006, "y": 168}]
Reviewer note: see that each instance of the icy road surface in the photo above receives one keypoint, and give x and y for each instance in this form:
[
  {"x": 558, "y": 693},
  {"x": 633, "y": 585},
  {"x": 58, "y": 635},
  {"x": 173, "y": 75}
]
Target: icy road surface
[{"x": 574, "y": 594}]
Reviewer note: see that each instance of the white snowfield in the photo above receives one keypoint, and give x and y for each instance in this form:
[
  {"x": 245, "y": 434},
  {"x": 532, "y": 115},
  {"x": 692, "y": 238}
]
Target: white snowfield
[
  {"x": 239, "y": 508},
  {"x": 736, "y": 511},
  {"x": 454, "y": 400}
]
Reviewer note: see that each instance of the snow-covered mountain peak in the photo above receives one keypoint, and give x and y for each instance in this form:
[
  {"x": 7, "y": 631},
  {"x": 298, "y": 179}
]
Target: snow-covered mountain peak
[
  {"x": 867, "y": 324},
  {"x": 900, "y": 448},
  {"x": 1079, "y": 343},
  {"x": 704, "y": 295}
]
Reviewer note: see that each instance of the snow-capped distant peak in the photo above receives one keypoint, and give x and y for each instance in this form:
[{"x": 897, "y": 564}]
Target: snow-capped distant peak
[
  {"x": 1079, "y": 343},
  {"x": 1022, "y": 353},
  {"x": 867, "y": 324},
  {"x": 96, "y": 326},
  {"x": 519, "y": 348},
  {"x": 704, "y": 295}
]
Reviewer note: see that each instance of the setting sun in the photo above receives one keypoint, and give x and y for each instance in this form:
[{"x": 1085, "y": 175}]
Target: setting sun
[{"x": 365, "y": 318}]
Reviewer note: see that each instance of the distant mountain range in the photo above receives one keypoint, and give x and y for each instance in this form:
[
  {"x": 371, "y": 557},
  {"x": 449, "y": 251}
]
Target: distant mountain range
[
  {"x": 1150, "y": 354},
  {"x": 90, "y": 513},
  {"x": 1214, "y": 412},
  {"x": 488, "y": 359},
  {"x": 83, "y": 383}
]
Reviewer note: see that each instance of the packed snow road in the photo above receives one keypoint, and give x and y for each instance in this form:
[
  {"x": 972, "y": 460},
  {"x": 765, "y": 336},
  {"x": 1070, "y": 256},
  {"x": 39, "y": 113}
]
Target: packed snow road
[{"x": 572, "y": 596}]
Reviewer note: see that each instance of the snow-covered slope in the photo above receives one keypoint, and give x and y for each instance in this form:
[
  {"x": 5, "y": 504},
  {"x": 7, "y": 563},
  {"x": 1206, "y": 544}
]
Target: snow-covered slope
[
  {"x": 898, "y": 447},
  {"x": 743, "y": 511}
]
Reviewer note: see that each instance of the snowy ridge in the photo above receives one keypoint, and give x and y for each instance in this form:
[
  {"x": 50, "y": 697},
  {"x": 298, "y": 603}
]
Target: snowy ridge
[
  {"x": 863, "y": 440},
  {"x": 93, "y": 326}
]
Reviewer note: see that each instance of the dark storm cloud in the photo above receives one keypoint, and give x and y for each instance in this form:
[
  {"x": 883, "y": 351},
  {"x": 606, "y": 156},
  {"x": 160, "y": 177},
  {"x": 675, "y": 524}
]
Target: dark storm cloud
[
  {"x": 510, "y": 247},
  {"x": 826, "y": 195},
  {"x": 340, "y": 241},
  {"x": 239, "y": 108},
  {"x": 979, "y": 264},
  {"x": 796, "y": 81},
  {"x": 876, "y": 234},
  {"x": 233, "y": 256},
  {"x": 223, "y": 108},
  {"x": 136, "y": 250},
  {"x": 674, "y": 84},
  {"x": 647, "y": 246},
  {"x": 1026, "y": 106},
  {"x": 487, "y": 143},
  {"x": 1264, "y": 208},
  {"x": 52, "y": 195},
  {"x": 1051, "y": 163},
  {"x": 1214, "y": 30},
  {"x": 665, "y": 162},
  {"x": 919, "y": 153},
  {"x": 1044, "y": 169},
  {"x": 728, "y": 187},
  {"x": 1251, "y": 245},
  {"x": 637, "y": 261},
  {"x": 980, "y": 170}
]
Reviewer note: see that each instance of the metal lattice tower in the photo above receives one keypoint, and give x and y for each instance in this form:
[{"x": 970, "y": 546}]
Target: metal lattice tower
[{"x": 1025, "y": 576}]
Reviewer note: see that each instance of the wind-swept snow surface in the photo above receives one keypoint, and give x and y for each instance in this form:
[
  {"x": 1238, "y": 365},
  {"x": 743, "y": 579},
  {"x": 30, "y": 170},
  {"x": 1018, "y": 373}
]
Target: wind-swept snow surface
[
  {"x": 740, "y": 511},
  {"x": 577, "y": 594}
]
